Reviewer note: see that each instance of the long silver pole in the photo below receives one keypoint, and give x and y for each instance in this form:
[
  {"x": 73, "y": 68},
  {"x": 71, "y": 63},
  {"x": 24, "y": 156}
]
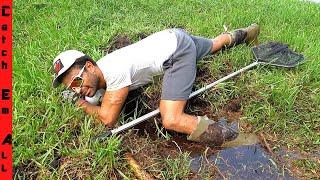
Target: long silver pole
[
  {"x": 222, "y": 79},
  {"x": 157, "y": 111}
]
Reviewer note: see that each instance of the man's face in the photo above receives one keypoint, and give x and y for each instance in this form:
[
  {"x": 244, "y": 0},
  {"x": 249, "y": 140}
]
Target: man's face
[{"x": 89, "y": 84}]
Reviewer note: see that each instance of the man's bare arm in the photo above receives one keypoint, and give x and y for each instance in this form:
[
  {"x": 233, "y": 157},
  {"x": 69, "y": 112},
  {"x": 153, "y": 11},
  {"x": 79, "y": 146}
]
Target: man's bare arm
[{"x": 110, "y": 108}]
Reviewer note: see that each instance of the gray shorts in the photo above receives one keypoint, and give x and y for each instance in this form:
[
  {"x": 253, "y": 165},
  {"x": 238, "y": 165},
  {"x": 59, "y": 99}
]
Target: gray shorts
[{"x": 180, "y": 68}]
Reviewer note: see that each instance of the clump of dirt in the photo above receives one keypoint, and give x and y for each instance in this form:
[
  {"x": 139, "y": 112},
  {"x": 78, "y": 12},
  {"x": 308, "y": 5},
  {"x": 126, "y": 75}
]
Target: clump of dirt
[
  {"x": 145, "y": 151},
  {"x": 55, "y": 164},
  {"x": 27, "y": 169},
  {"x": 200, "y": 107},
  {"x": 120, "y": 41},
  {"x": 177, "y": 141},
  {"x": 179, "y": 26},
  {"x": 234, "y": 105},
  {"x": 73, "y": 168},
  {"x": 134, "y": 103},
  {"x": 141, "y": 35},
  {"x": 204, "y": 75},
  {"x": 76, "y": 131},
  {"x": 232, "y": 110},
  {"x": 228, "y": 67}
]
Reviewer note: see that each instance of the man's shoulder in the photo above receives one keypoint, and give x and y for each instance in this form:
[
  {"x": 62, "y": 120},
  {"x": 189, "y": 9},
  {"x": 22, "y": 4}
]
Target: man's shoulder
[
  {"x": 106, "y": 59},
  {"x": 112, "y": 64}
]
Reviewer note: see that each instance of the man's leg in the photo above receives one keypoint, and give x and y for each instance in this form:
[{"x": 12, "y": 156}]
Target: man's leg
[
  {"x": 180, "y": 73},
  {"x": 174, "y": 118},
  {"x": 226, "y": 40},
  {"x": 200, "y": 129},
  {"x": 179, "y": 77},
  {"x": 246, "y": 35},
  {"x": 220, "y": 42}
]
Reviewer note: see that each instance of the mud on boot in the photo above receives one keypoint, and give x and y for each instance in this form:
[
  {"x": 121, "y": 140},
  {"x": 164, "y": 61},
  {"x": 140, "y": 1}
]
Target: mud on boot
[
  {"x": 212, "y": 133},
  {"x": 248, "y": 35}
]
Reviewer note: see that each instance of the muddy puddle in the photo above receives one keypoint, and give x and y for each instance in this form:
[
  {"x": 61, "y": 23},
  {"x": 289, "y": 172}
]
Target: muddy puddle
[
  {"x": 241, "y": 161},
  {"x": 246, "y": 157},
  {"x": 243, "y": 158}
]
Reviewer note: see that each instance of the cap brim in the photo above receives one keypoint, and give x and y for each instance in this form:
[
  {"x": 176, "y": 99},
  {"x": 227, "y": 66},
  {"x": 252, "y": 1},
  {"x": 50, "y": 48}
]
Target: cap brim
[{"x": 56, "y": 82}]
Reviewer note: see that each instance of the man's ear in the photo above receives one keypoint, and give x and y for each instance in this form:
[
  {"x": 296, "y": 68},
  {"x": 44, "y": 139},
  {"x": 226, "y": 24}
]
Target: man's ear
[{"x": 90, "y": 67}]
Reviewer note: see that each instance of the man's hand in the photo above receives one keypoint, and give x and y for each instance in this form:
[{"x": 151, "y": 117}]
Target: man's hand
[
  {"x": 110, "y": 108},
  {"x": 97, "y": 98}
]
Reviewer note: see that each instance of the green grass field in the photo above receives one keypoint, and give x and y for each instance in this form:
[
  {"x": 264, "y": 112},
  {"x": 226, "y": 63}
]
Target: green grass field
[{"x": 51, "y": 139}]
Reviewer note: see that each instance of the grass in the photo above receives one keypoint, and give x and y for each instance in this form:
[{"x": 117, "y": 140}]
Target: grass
[{"x": 283, "y": 104}]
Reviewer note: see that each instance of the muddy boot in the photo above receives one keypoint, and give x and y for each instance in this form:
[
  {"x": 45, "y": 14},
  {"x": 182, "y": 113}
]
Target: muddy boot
[
  {"x": 212, "y": 133},
  {"x": 248, "y": 35}
]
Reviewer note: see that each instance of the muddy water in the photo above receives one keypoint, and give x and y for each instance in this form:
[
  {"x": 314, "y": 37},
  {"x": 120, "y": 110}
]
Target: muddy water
[
  {"x": 243, "y": 158},
  {"x": 242, "y": 140}
]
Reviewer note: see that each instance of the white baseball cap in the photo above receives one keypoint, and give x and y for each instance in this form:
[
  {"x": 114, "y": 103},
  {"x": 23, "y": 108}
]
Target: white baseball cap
[{"x": 63, "y": 62}]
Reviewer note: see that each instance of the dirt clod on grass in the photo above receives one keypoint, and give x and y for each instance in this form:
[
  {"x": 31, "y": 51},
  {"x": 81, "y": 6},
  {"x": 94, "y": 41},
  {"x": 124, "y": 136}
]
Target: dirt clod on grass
[
  {"x": 55, "y": 164},
  {"x": 72, "y": 167},
  {"x": 27, "y": 169},
  {"x": 232, "y": 110},
  {"x": 120, "y": 41},
  {"x": 234, "y": 105}
]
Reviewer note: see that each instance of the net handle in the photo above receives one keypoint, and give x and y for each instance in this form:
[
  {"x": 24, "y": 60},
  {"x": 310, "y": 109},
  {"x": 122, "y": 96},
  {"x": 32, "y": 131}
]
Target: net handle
[{"x": 157, "y": 111}]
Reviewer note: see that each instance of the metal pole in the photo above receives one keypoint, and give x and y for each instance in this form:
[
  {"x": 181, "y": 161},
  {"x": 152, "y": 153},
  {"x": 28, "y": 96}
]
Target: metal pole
[{"x": 157, "y": 111}]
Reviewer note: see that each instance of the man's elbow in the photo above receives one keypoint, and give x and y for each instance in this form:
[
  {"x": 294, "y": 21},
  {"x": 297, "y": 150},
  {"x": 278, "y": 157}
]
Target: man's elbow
[{"x": 103, "y": 116}]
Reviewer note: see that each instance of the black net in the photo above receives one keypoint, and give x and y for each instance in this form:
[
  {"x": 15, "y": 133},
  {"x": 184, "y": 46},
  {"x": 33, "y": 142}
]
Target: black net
[{"x": 276, "y": 53}]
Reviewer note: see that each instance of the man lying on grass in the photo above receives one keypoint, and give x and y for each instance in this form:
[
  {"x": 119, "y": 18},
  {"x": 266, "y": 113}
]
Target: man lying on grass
[{"x": 171, "y": 52}]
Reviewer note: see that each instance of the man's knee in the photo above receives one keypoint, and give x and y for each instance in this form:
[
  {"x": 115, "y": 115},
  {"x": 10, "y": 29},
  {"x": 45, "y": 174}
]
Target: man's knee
[
  {"x": 170, "y": 121},
  {"x": 171, "y": 113}
]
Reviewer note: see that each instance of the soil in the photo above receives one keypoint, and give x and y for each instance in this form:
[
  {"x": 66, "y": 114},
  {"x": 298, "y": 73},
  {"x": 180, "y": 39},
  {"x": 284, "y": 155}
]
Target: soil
[
  {"x": 228, "y": 67},
  {"x": 70, "y": 168},
  {"x": 120, "y": 41},
  {"x": 55, "y": 164},
  {"x": 150, "y": 152},
  {"x": 27, "y": 169},
  {"x": 204, "y": 75},
  {"x": 232, "y": 110}
]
